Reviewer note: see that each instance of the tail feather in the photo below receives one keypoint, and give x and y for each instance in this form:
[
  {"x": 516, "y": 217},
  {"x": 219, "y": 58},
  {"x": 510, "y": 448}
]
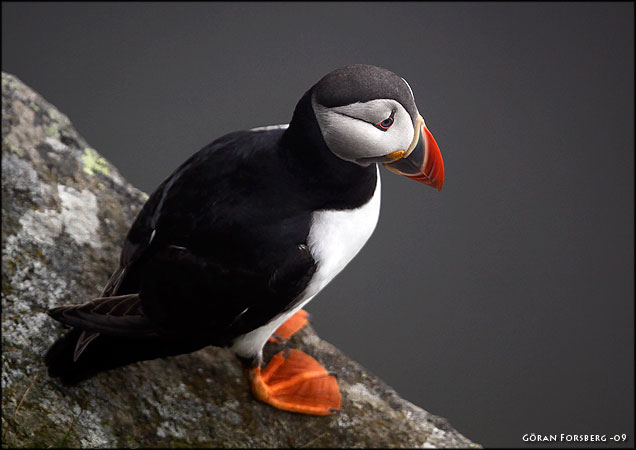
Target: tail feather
[
  {"x": 107, "y": 352},
  {"x": 121, "y": 315},
  {"x": 85, "y": 338}
]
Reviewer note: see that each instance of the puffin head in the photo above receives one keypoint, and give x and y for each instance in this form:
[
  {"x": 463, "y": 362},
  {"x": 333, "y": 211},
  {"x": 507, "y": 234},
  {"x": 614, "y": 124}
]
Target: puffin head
[{"x": 367, "y": 115}]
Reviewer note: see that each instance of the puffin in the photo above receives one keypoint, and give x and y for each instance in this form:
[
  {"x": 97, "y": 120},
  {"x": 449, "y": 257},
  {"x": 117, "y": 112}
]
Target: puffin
[{"x": 238, "y": 239}]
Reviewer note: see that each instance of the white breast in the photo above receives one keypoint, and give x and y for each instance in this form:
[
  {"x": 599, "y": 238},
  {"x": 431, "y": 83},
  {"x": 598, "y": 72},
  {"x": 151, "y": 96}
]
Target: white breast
[{"x": 335, "y": 237}]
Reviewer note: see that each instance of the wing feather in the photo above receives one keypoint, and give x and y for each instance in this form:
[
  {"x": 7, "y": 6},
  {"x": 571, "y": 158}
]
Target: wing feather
[{"x": 120, "y": 315}]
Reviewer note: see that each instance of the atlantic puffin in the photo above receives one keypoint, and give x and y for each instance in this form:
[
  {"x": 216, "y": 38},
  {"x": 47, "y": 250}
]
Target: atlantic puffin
[{"x": 239, "y": 238}]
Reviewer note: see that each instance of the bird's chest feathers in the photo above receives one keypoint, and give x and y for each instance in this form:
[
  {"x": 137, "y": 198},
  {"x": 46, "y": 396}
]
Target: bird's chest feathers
[{"x": 336, "y": 236}]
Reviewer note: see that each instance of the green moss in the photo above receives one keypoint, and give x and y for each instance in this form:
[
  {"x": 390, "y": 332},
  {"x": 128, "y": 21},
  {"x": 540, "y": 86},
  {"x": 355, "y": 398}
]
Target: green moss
[
  {"x": 13, "y": 147},
  {"x": 11, "y": 81},
  {"x": 93, "y": 162},
  {"x": 52, "y": 130},
  {"x": 54, "y": 114}
]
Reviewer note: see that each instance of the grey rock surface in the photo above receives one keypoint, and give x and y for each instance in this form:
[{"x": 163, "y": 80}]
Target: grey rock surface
[{"x": 65, "y": 212}]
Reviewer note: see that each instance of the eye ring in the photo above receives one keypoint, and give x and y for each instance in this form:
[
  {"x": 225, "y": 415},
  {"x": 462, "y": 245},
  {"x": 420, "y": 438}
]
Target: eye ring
[{"x": 386, "y": 123}]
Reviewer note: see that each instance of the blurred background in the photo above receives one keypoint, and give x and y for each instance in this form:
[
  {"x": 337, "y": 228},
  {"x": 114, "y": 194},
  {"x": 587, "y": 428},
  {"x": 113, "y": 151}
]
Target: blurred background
[{"x": 505, "y": 302}]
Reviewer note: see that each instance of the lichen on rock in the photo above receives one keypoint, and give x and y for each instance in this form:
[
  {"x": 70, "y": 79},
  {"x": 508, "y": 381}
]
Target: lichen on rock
[
  {"x": 65, "y": 211},
  {"x": 93, "y": 162}
]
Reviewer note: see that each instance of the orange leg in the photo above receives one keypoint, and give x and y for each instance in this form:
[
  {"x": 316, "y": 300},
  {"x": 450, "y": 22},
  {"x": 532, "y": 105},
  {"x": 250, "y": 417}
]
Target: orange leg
[
  {"x": 297, "y": 383},
  {"x": 290, "y": 327}
]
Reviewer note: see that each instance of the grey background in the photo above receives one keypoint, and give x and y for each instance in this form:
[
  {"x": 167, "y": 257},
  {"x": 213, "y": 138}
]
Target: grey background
[{"x": 504, "y": 302}]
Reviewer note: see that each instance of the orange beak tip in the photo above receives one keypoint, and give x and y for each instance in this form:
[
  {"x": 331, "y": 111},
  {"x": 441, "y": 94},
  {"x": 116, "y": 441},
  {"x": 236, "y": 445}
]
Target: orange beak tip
[{"x": 434, "y": 167}]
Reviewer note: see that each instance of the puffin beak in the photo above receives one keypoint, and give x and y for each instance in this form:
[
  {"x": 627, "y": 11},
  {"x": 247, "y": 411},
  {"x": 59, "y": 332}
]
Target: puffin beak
[{"x": 422, "y": 161}]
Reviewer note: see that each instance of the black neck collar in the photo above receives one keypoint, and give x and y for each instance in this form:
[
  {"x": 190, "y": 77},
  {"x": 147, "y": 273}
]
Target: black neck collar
[{"x": 334, "y": 182}]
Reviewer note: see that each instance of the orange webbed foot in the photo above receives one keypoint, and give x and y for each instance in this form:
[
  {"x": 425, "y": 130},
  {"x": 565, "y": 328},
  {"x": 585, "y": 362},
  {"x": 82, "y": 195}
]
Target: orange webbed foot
[
  {"x": 298, "y": 383},
  {"x": 290, "y": 327}
]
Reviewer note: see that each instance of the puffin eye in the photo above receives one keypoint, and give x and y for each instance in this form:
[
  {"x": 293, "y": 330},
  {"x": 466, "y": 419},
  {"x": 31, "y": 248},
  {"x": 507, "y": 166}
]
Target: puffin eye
[{"x": 386, "y": 123}]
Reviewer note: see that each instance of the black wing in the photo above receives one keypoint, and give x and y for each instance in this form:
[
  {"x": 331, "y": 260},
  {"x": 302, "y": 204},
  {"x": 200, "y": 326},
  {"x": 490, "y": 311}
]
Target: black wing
[{"x": 220, "y": 247}]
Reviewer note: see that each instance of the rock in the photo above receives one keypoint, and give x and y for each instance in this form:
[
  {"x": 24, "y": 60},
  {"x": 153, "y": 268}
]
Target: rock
[{"x": 65, "y": 212}]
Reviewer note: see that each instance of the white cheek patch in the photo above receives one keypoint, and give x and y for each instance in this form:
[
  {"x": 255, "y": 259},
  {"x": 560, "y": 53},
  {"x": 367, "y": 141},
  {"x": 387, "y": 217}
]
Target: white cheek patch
[
  {"x": 350, "y": 133},
  {"x": 373, "y": 111}
]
